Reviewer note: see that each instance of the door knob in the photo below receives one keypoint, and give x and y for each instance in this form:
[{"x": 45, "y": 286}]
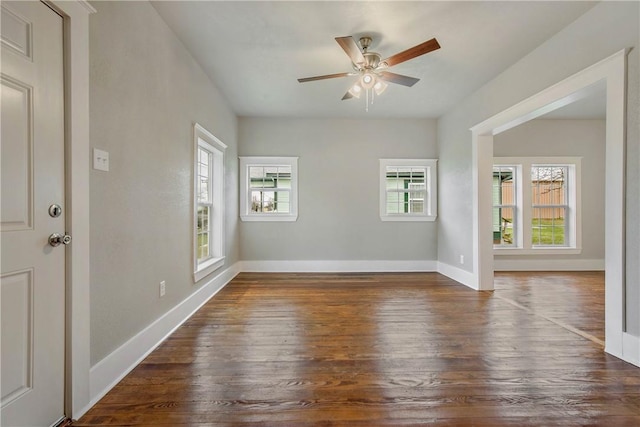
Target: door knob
[{"x": 56, "y": 239}]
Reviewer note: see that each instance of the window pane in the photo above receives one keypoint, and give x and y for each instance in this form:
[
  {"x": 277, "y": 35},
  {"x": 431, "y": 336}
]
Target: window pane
[
  {"x": 417, "y": 175},
  {"x": 548, "y": 185},
  {"x": 416, "y": 196},
  {"x": 203, "y": 193},
  {"x": 203, "y": 246},
  {"x": 284, "y": 181},
  {"x": 263, "y": 201},
  {"x": 393, "y": 179},
  {"x": 284, "y": 171},
  {"x": 203, "y": 232},
  {"x": 503, "y": 229},
  {"x": 416, "y": 206},
  {"x": 203, "y": 219},
  {"x": 282, "y": 206},
  {"x": 503, "y": 185},
  {"x": 548, "y": 226},
  {"x": 406, "y": 190},
  {"x": 256, "y": 176},
  {"x": 393, "y": 202},
  {"x": 203, "y": 170}
]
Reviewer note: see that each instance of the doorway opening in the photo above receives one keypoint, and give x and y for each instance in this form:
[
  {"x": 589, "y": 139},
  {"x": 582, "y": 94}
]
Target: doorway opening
[{"x": 612, "y": 73}]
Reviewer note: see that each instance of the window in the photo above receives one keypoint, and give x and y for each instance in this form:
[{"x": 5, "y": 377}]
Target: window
[
  {"x": 270, "y": 188},
  {"x": 408, "y": 189},
  {"x": 208, "y": 203},
  {"x": 536, "y": 205},
  {"x": 549, "y": 204},
  {"x": 504, "y": 206}
]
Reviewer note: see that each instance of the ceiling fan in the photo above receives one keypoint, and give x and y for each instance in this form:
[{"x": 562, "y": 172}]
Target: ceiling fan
[{"x": 372, "y": 69}]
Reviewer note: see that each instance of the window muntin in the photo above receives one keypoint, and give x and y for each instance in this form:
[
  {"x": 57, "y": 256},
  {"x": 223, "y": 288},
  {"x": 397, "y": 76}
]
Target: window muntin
[
  {"x": 204, "y": 205},
  {"x": 549, "y": 205},
  {"x": 407, "y": 189},
  {"x": 504, "y": 206},
  {"x": 270, "y": 188},
  {"x": 546, "y": 203},
  {"x": 208, "y": 210}
]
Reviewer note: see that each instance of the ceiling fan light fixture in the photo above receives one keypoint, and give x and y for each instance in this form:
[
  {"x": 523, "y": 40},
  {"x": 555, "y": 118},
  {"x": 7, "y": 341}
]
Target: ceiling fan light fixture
[
  {"x": 355, "y": 90},
  {"x": 380, "y": 87},
  {"x": 368, "y": 80}
]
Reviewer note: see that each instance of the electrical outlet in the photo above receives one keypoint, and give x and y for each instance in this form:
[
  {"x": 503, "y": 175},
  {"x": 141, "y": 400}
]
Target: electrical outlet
[
  {"x": 461, "y": 259},
  {"x": 163, "y": 288}
]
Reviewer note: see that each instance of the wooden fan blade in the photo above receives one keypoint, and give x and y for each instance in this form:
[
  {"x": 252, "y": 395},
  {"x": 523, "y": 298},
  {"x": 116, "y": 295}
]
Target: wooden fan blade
[
  {"x": 347, "y": 96},
  {"x": 421, "y": 49},
  {"x": 326, "y": 76},
  {"x": 351, "y": 48},
  {"x": 397, "y": 78}
]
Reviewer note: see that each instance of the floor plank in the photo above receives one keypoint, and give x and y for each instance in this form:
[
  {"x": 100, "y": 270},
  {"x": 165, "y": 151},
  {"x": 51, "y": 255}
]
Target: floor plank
[{"x": 384, "y": 350}]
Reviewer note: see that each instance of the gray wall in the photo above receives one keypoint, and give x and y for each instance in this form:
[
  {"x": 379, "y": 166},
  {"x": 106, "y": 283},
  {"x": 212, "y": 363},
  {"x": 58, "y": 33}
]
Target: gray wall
[
  {"x": 146, "y": 92},
  {"x": 602, "y": 31},
  {"x": 571, "y": 138},
  {"x": 338, "y": 189}
]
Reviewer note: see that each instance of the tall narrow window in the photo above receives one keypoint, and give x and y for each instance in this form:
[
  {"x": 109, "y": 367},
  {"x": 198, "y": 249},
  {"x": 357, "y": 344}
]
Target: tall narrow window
[
  {"x": 408, "y": 189},
  {"x": 204, "y": 203},
  {"x": 549, "y": 205},
  {"x": 208, "y": 203},
  {"x": 270, "y": 186},
  {"x": 504, "y": 206}
]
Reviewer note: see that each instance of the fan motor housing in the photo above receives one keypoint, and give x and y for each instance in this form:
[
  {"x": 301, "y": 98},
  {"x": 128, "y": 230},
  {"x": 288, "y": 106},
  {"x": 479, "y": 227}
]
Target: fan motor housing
[{"x": 371, "y": 61}]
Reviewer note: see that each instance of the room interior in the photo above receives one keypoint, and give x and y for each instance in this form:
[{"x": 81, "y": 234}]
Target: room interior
[{"x": 155, "y": 69}]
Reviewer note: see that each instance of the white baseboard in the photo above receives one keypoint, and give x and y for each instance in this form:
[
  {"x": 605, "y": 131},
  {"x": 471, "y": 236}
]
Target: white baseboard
[
  {"x": 110, "y": 370},
  {"x": 548, "y": 264},
  {"x": 630, "y": 349},
  {"x": 459, "y": 275},
  {"x": 331, "y": 266}
]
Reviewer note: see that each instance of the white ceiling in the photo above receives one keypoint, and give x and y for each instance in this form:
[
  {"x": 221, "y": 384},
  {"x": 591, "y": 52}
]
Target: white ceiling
[{"x": 255, "y": 51}]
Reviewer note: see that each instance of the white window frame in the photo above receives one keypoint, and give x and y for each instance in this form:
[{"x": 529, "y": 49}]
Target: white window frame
[
  {"x": 516, "y": 206},
  {"x": 203, "y": 139},
  {"x": 573, "y": 222},
  {"x": 245, "y": 189},
  {"x": 430, "y": 167}
]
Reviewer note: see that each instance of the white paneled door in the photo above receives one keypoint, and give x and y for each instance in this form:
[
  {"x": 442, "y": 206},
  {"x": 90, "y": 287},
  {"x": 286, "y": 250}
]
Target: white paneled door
[{"x": 32, "y": 172}]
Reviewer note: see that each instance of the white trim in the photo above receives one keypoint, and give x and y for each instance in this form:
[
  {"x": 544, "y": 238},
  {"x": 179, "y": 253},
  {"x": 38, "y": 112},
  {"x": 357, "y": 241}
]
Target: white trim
[
  {"x": 611, "y": 71},
  {"x": 334, "y": 266},
  {"x": 431, "y": 184},
  {"x": 87, "y": 6},
  {"x": 245, "y": 191},
  {"x": 78, "y": 317},
  {"x": 204, "y": 139},
  {"x": 110, "y": 370},
  {"x": 558, "y": 250},
  {"x": 461, "y": 276},
  {"x": 631, "y": 349},
  {"x": 548, "y": 264},
  {"x": 524, "y": 205}
]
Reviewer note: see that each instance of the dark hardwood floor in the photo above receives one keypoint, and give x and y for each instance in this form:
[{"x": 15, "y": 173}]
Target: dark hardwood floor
[
  {"x": 383, "y": 350},
  {"x": 573, "y": 300}
]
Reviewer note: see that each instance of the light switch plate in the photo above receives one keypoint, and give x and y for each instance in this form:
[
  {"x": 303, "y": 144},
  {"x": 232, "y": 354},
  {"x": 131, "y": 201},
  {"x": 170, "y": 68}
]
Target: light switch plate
[{"x": 100, "y": 160}]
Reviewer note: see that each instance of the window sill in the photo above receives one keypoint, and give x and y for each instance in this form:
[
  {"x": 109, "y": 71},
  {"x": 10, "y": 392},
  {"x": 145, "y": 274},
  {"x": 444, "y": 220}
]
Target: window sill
[
  {"x": 207, "y": 268},
  {"x": 269, "y": 218},
  {"x": 408, "y": 218},
  {"x": 537, "y": 251}
]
